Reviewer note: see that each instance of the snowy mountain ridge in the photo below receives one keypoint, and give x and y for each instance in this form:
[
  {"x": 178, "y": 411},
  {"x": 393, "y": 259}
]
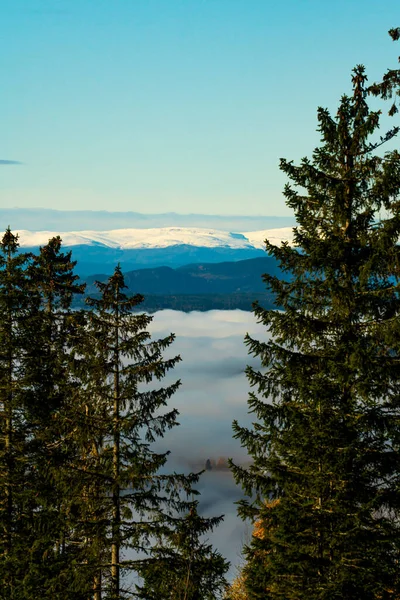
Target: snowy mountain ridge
[{"x": 163, "y": 237}]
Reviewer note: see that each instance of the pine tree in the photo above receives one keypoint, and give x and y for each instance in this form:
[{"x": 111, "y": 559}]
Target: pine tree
[
  {"x": 54, "y": 285},
  {"x": 389, "y": 87},
  {"x": 125, "y": 414},
  {"x": 183, "y": 565},
  {"x": 237, "y": 589},
  {"x": 49, "y": 400},
  {"x": 15, "y": 498},
  {"x": 324, "y": 480}
]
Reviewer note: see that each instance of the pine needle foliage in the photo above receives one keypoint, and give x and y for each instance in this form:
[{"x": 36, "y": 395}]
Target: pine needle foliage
[
  {"x": 83, "y": 496},
  {"x": 38, "y": 555},
  {"x": 50, "y": 397},
  {"x": 389, "y": 87},
  {"x": 324, "y": 481},
  {"x": 126, "y": 411},
  {"x": 14, "y": 493},
  {"x": 183, "y": 564}
]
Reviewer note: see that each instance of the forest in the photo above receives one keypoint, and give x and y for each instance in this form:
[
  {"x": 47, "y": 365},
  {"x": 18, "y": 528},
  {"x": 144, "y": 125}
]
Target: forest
[{"x": 90, "y": 511}]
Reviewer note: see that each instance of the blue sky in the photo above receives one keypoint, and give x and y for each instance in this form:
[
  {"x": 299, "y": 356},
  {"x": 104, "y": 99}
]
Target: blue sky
[{"x": 174, "y": 105}]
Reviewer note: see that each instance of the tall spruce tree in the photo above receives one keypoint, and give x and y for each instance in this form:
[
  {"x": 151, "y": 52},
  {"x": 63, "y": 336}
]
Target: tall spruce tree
[
  {"x": 50, "y": 396},
  {"x": 53, "y": 283},
  {"x": 324, "y": 482},
  {"x": 125, "y": 414},
  {"x": 183, "y": 564},
  {"x": 15, "y": 481}
]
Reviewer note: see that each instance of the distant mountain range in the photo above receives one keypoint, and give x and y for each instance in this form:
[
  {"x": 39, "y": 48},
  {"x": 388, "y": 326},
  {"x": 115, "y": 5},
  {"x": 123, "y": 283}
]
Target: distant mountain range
[
  {"x": 184, "y": 268},
  {"x": 100, "y": 251},
  {"x": 241, "y": 277},
  {"x": 226, "y": 285}
]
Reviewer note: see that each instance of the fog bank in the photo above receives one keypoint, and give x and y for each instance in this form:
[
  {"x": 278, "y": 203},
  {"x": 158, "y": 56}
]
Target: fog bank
[{"x": 214, "y": 391}]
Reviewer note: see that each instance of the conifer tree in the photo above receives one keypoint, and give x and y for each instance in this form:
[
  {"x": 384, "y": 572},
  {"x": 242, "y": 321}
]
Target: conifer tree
[
  {"x": 324, "y": 482},
  {"x": 237, "y": 589},
  {"x": 53, "y": 283},
  {"x": 183, "y": 565},
  {"x": 125, "y": 414},
  {"x": 14, "y": 477},
  {"x": 389, "y": 87},
  {"x": 50, "y": 397}
]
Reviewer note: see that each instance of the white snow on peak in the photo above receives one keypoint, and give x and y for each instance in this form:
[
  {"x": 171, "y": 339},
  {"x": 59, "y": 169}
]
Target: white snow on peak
[
  {"x": 274, "y": 236},
  {"x": 158, "y": 238}
]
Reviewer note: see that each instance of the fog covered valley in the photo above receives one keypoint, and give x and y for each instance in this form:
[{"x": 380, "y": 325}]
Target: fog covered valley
[{"x": 213, "y": 392}]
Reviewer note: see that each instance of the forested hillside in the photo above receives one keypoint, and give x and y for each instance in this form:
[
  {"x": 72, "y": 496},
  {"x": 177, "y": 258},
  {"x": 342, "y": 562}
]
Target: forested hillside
[
  {"x": 85, "y": 500},
  {"x": 244, "y": 276},
  {"x": 202, "y": 286}
]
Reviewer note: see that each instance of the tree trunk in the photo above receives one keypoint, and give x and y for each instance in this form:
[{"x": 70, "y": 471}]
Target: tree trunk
[
  {"x": 97, "y": 586},
  {"x": 9, "y": 419},
  {"x": 116, "y": 514}
]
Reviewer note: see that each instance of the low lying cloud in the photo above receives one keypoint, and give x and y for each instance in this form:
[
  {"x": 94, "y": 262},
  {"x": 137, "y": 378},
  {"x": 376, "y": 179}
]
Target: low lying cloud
[
  {"x": 214, "y": 386},
  {"x": 214, "y": 392},
  {"x": 6, "y": 162}
]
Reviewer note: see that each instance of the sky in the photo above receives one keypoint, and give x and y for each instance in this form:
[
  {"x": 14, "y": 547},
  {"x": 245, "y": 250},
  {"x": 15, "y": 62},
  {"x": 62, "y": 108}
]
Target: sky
[{"x": 174, "y": 105}]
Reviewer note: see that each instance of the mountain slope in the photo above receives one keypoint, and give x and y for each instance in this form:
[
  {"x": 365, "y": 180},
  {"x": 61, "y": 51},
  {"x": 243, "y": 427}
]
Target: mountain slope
[
  {"x": 100, "y": 251},
  {"x": 159, "y": 237},
  {"x": 226, "y": 278}
]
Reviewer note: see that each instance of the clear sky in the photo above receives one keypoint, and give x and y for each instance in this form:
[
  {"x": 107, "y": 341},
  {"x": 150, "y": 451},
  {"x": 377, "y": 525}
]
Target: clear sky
[{"x": 174, "y": 105}]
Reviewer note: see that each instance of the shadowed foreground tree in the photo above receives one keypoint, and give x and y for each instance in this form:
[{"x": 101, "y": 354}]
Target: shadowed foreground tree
[
  {"x": 83, "y": 496},
  {"x": 324, "y": 483},
  {"x": 37, "y": 556},
  {"x": 50, "y": 396},
  {"x": 15, "y": 492},
  {"x": 128, "y": 500},
  {"x": 184, "y": 565},
  {"x": 389, "y": 87}
]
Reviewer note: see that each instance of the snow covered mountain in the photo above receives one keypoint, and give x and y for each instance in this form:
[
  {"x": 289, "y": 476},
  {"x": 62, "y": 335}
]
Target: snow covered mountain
[
  {"x": 165, "y": 237},
  {"x": 99, "y": 251}
]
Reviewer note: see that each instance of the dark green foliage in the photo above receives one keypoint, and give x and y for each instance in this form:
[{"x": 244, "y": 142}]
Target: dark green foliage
[
  {"x": 52, "y": 284},
  {"x": 130, "y": 496},
  {"x": 82, "y": 493},
  {"x": 203, "y": 302},
  {"x": 49, "y": 397},
  {"x": 15, "y": 503},
  {"x": 40, "y": 559},
  {"x": 183, "y": 566},
  {"x": 325, "y": 447},
  {"x": 225, "y": 278},
  {"x": 225, "y": 286},
  {"x": 389, "y": 87}
]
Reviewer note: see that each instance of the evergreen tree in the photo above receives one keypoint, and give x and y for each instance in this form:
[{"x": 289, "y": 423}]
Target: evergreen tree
[
  {"x": 182, "y": 565},
  {"x": 237, "y": 589},
  {"x": 50, "y": 397},
  {"x": 15, "y": 482},
  {"x": 53, "y": 283},
  {"x": 125, "y": 415},
  {"x": 389, "y": 87},
  {"x": 80, "y": 484},
  {"x": 324, "y": 480}
]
